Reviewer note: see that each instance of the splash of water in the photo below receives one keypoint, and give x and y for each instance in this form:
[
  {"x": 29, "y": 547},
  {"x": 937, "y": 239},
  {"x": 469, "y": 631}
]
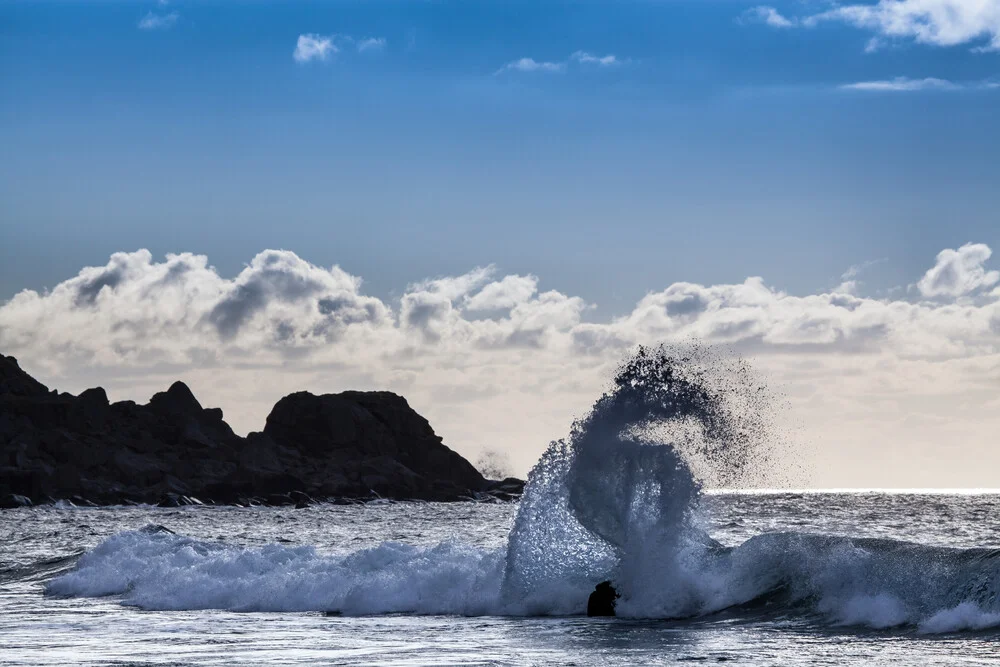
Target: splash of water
[{"x": 615, "y": 499}]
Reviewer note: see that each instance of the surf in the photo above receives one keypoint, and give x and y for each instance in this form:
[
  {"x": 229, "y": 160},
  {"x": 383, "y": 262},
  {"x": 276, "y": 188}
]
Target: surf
[{"x": 617, "y": 500}]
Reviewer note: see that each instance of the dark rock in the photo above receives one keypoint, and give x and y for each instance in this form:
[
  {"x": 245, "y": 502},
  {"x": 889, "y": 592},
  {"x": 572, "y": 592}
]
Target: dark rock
[
  {"x": 12, "y": 500},
  {"x": 508, "y": 489},
  {"x": 169, "y": 500},
  {"x": 377, "y": 439},
  {"x": 81, "y": 502},
  {"x": 178, "y": 400},
  {"x": 603, "y": 600},
  {"x": 171, "y": 452},
  {"x": 15, "y": 382}
]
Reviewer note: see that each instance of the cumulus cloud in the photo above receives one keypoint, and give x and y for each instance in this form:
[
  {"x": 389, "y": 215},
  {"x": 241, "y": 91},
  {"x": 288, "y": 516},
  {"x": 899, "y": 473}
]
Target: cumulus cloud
[
  {"x": 153, "y": 21},
  {"x": 136, "y": 307},
  {"x": 492, "y": 359},
  {"x": 507, "y": 293},
  {"x": 934, "y": 22},
  {"x": 959, "y": 272},
  {"x": 313, "y": 47}
]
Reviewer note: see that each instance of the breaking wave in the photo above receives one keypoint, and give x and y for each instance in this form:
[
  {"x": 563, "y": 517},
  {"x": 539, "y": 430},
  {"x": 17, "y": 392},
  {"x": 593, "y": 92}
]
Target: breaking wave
[{"x": 616, "y": 500}]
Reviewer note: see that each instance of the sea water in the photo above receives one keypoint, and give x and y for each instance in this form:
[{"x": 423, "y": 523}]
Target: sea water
[
  {"x": 757, "y": 578},
  {"x": 282, "y": 560}
]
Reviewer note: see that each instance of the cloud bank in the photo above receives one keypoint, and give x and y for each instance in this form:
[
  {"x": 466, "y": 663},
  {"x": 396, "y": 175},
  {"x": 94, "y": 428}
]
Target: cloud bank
[{"x": 498, "y": 361}]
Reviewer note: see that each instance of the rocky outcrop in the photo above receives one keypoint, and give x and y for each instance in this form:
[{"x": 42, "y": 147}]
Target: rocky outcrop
[{"x": 352, "y": 445}]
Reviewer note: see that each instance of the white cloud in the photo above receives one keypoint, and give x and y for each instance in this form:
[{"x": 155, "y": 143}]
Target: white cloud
[
  {"x": 313, "y": 47},
  {"x": 959, "y": 272},
  {"x": 905, "y": 84},
  {"x": 902, "y": 84},
  {"x": 847, "y": 287},
  {"x": 494, "y": 362},
  {"x": 371, "y": 44},
  {"x": 582, "y": 58},
  {"x": 507, "y": 293},
  {"x": 532, "y": 65},
  {"x": 455, "y": 287},
  {"x": 153, "y": 21},
  {"x": 857, "y": 269},
  {"x": 849, "y": 278},
  {"x": 585, "y": 58},
  {"x": 768, "y": 15},
  {"x": 934, "y": 22},
  {"x": 134, "y": 309}
]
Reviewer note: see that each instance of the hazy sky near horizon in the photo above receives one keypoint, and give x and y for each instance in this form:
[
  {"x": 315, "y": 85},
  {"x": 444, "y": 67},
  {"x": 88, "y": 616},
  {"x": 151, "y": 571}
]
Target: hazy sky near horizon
[{"x": 483, "y": 205}]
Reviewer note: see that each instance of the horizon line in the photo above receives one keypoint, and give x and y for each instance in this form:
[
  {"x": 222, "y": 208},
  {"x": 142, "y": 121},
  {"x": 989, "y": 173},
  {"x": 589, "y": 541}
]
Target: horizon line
[{"x": 967, "y": 491}]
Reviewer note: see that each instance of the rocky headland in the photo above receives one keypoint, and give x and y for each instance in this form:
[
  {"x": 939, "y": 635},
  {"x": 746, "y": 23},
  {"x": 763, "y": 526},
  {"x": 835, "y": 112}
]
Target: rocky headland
[{"x": 347, "y": 447}]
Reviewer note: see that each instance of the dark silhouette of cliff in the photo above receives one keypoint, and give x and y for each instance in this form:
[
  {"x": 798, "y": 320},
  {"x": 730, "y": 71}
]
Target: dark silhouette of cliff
[{"x": 342, "y": 447}]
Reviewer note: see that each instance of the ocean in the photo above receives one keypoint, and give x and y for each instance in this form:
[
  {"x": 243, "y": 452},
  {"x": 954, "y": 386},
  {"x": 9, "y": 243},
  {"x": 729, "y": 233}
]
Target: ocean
[
  {"x": 250, "y": 586},
  {"x": 753, "y": 578}
]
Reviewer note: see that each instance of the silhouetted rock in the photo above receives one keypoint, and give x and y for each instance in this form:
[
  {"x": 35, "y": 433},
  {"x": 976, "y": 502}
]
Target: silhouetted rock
[
  {"x": 173, "y": 452},
  {"x": 15, "y": 382},
  {"x": 370, "y": 443},
  {"x": 603, "y": 600}
]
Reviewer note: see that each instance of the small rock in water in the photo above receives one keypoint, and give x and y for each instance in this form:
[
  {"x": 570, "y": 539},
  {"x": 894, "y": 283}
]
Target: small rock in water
[{"x": 603, "y": 600}]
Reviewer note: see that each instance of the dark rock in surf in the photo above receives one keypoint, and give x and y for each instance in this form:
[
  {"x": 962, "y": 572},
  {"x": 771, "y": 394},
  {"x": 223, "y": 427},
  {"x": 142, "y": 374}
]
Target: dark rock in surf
[
  {"x": 12, "y": 500},
  {"x": 173, "y": 452},
  {"x": 603, "y": 600},
  {"x": 507, "y": 489}
]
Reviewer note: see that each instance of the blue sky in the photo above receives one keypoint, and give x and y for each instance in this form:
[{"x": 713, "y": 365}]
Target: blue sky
[
  {"x": 620, "y": 171},
  {"x": 715, "y": 148}
]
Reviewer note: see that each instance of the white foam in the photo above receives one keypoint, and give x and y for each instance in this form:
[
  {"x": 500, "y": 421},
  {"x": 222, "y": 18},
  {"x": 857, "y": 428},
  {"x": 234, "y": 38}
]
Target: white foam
[
  {"x": 878, "y": 611},
  {"x": 164, "y": 571},
  {"x": 964, "y": 616}
]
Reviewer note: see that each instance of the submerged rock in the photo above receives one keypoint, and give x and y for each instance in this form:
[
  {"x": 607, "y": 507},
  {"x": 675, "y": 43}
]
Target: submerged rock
[{"x": 173, "y": 452}]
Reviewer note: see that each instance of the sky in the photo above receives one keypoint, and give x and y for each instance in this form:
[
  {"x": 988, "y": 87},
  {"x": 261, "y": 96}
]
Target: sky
[{"x": 483, "y": 206}]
